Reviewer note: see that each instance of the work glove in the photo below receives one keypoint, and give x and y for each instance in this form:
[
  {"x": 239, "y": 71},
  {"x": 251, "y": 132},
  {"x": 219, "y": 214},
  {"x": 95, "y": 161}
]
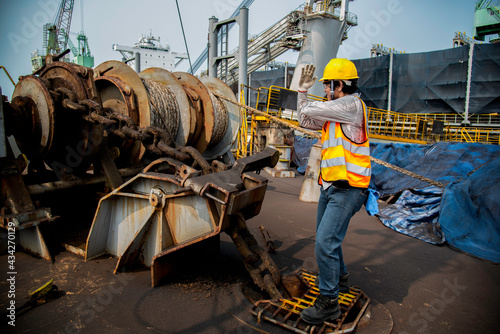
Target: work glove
[{"x": 306, "y": 77}]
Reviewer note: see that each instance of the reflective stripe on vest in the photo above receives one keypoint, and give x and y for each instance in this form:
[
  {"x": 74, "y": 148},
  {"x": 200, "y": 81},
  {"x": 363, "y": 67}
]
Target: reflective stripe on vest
[{"x": 342, "y": 159}]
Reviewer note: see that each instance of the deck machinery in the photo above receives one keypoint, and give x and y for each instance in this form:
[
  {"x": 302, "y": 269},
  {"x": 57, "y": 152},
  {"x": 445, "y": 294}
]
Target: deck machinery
[{"x": 167, "y": 134}]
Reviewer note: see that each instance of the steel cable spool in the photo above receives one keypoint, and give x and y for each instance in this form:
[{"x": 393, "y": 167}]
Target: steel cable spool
[
  {"x": 185, "y": 106},
  {"x": 220, "y": 119},
  {"x": 227, "y": 117},
  {"x": 164, "y": 107},
  {"x": 187, "y": 129}
]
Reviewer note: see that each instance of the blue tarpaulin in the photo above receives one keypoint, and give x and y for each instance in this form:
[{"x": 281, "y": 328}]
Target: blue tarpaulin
[
  {"x": 465, "y": 214},
  {"x": 416, "y": 213},
  {"x": 301, "y": 149}
]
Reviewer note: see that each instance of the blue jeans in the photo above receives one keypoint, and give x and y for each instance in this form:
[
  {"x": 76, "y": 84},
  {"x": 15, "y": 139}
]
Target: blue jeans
[{"x": 336, "y": 207}]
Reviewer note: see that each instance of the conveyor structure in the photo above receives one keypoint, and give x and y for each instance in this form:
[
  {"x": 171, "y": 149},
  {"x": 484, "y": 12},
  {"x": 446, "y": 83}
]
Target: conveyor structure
[{"x": 289, "y": 33}]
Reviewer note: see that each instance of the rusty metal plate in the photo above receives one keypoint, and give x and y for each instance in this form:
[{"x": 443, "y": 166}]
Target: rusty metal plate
[
  {"x": 32, "y": 87},
  {"x": 249, "y": 198},
  {"x": 117, "y": 95},
  {"x": 286, "y": 312},
  {"x": 205, "y": 116},
  {"x": 234, "y": 123},
  {"x": 130, "y": 225},
  {"x": 27, "y": 227},
  {"x": 126, "y": 74}
]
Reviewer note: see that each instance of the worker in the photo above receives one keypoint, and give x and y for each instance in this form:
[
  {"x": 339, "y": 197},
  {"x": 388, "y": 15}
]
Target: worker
[{"x": 344, "y": 176}]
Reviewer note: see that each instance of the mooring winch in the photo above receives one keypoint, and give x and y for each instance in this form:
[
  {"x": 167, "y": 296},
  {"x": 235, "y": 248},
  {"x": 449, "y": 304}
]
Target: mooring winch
[{"x": 77, "y": 126}]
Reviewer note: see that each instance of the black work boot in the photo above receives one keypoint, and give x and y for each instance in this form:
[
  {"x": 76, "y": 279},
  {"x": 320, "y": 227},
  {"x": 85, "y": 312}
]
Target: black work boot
[
  {"x": 344, "y": 286},
  {"x": 324, "y": 309}
]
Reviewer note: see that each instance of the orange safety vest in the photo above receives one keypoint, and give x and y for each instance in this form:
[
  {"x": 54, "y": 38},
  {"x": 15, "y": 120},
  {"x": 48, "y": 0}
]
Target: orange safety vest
[{"x": 343, "y": 159}]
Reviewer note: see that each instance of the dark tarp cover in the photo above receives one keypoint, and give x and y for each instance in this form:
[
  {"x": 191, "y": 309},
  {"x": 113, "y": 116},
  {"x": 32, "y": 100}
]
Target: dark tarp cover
[
  {"x": 373, "y": 81},
  {"x": 275, "y": 77},
  {"x": 433, "y": 82},
  {"x": 466, "y": 215},
  {"x": 485, "y": 79},
  {"x": 430, "y": 82},
  {"x": 416, "y": 213},
  {"x": 474, "y": 225}
]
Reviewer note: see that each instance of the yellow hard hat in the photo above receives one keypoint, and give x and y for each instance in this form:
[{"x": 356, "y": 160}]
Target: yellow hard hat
[{"x": 339, "y": 69}]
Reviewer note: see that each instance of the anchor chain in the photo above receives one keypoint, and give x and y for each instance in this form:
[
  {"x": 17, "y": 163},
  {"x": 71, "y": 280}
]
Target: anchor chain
[
  {"x": 257, "y": 261},
  {"x": 156, "y": 140}
]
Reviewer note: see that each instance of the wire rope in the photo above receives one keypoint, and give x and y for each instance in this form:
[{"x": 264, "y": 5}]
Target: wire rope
[
  {"x": 221, "y": 119},
  {"x": 164, "y": 108}
]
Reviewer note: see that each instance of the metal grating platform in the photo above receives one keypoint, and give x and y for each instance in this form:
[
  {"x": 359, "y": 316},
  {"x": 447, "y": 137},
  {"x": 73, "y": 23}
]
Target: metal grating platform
[{"x": 286, "y": 312}]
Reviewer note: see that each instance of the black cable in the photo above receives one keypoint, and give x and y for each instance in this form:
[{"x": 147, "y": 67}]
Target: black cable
[{"x": 183, "y": 35}]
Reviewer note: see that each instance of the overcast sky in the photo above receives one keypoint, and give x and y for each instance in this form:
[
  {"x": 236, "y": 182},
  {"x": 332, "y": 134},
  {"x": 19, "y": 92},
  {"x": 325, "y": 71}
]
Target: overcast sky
[{"x": 406, "y": 25}]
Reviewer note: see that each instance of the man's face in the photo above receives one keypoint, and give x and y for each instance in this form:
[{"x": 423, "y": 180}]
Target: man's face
[{"x": 329, "y": 87}]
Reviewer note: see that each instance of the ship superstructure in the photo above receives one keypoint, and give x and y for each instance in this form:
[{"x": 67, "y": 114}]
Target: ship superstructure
[{"x": 148, "y": 52}]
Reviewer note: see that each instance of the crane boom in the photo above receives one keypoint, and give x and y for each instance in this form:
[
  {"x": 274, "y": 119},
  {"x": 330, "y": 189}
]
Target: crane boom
[
  {"x": 63, "y": 22},
  {"x": 55, "y": 35}
]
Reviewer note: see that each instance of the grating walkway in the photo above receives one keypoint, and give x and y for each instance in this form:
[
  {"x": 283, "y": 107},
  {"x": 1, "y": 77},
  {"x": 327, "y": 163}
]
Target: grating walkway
[{"x": 286, "y": 312}]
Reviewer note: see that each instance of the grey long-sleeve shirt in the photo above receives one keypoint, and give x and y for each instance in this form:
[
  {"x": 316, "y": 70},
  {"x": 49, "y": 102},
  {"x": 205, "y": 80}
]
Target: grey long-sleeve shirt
[{"x": 348, "y": 111}]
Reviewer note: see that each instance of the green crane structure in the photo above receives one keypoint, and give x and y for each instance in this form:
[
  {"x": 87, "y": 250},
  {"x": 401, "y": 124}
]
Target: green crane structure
[
  {"x": 81, "y": 53},
  {"x": 55, "y": 34},
  {"x": 486, "y": 20},
  {"x": 56, "y": 39}
]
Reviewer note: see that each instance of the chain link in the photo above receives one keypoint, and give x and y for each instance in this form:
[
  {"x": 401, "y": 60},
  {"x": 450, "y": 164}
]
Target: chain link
[
  {"x": 156, "y": 140},
  {"x": 257, "y": 261}
]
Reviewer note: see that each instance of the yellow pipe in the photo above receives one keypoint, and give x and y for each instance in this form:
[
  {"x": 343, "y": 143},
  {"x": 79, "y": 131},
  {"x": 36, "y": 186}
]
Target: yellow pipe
[{"x": 6, "y": 72}]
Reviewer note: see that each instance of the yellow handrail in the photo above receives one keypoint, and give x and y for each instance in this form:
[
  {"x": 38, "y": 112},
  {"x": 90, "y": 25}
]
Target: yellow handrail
[
  {"x": 6, "y": 72},
  {"x": 385, "y": 124}
]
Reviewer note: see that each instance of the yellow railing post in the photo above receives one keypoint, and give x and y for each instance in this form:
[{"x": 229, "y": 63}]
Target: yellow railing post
[
  {"x": 466, "y": 135},
  {"x": 243, "y": 132}
]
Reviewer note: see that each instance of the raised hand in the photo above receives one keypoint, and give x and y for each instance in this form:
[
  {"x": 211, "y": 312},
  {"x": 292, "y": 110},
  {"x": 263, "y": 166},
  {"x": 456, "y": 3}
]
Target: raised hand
[{"x": 307, "y": 78}]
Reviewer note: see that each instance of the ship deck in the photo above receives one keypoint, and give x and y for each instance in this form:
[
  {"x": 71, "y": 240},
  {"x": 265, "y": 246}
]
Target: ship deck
[{"x": 420, "y": 287}]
